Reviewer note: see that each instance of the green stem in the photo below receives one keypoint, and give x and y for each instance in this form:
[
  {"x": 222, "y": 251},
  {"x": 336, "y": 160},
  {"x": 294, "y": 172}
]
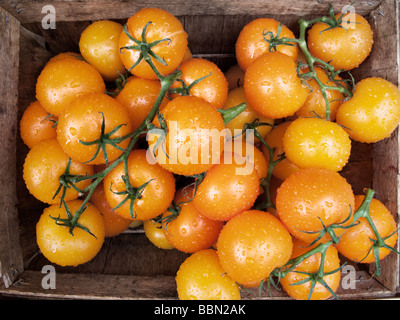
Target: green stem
[{"x": 166, "y": 82}]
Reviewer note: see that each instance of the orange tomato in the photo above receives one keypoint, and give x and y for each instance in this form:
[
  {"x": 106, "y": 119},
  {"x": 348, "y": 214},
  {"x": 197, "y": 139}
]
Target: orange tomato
[
  {"x": 61, "y": 247},
  {"x": 62, "y": 81},
  {"x": 311, "y": 265},
  {"x": 201, "y": 277},
  {"x": 113, "y": 222},
  {"x": 251, "y": 245},
  {"x": 36, "y": 125},
  {"x": 356, "y": 242},
  {"x": 272, "y": 86},
  {"x": 251, "y": 41},
  {"x": 344, "y": 47},
  {"x": 310, "y": 197}
]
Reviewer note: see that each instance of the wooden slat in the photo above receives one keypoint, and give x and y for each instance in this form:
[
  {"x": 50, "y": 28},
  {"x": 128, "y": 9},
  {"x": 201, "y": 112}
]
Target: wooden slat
[
  {"x": 112, "y": 287},
  {"x": 75, "y": 10},
  {"x": 10, "y": 251}
]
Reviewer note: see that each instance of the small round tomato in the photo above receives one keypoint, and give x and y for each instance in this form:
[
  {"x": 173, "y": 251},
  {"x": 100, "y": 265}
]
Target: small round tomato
[
  {"x": 315, "y": 103},
  {"x": 44, "y": 164},
  {"x": 251, "y": 41},
  {"x": 99, "y": 45},
  {"x": 190, "y": 231},
  {"x": 236, "y": 97},
  {"x": 301, "y": 291},
  {"x": 195, "y": 137},
  {"x": 62, "y": 81},
  {"x": 312, "y": 196},
  {"x": 373, "y": 113},
  {"x": 82, "y": 121},
  {"x": 314, "y": 142},
  {"x": 235, "y": 77},
  {"x": 155, "y": 233},
  {"x": 251, "y": 245},
  {"x": 345, "y": 46},
  {"x": 230, "y": 187},
  {"x": 162, "y": 26},
  {"x": 138, "y": 97},
  {"x": 213, "y": 88},
  {"x": 114, "y": 223},
  {"x": 272, "y": 86},
  {"x": 356, "y": 242},
  {"x": 36, "y": 125},
  {"x": 201, "y": 277},
  {"x": 61, "y": 247},
  {"x": 149, "y": 200},
  {"x": 274, "y": 139}
]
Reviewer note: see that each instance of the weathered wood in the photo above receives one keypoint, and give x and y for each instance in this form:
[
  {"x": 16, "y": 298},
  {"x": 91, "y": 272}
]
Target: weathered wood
[
  {"x": 10, "y": 250},
  {"x": 113, "y": 287},
  {"x": 75, "y": 10}
]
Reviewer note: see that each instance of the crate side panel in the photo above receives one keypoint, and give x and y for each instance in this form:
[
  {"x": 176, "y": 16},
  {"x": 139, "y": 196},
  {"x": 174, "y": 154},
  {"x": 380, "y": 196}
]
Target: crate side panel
[
  {"x": 77, "y": 10},
  {"x": 34, "y": 284},
  {"x": 33, "y": 56},
  {"x": 10, "y": 250}
]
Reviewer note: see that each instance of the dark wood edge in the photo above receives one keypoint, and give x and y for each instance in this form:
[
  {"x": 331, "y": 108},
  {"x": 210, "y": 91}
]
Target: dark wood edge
[
  {"x": 10, "y": 250},
  {"x": 112, "y": 287}
]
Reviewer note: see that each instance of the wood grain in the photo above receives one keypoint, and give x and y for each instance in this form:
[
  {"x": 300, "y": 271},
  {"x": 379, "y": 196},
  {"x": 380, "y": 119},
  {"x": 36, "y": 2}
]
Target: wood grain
[
  {"x": 75, "y": 10},
  {"x": 116, "y": 287},
  {"x": 10, "y": 250}
]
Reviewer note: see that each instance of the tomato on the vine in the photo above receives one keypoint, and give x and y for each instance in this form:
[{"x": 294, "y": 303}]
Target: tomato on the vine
[
  {"x": 44, "y": 164},
  {"x": 213, "y": 87},
  {"x": 312, "y": 198},
  {"x": 357, "y": 241},
  {"x": 274, "y": 139},
  {"x": 82, "y": 123},
  {"x": 345, "y": 46},
  {"x": 161, "y": 25},
  {"x": 195, "y": 137},
  {"x": 273, "y": 87},
  {"x": 237, "y": 96},
  {"x": 138, "y": 96},
  {"x": 150, "y": 192},
  {"x": 113, "y": 222},
  {"x": 315, "y": 104},
  {"x": 56, "y": 242},
  {"x": 252, "y": 41},
  {"x": 295, "y": 282},
  {"x": 37, "y": 125}
]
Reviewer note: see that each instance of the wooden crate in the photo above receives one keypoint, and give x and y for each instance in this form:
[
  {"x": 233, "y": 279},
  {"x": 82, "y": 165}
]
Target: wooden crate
[{"x": 128, "y": 266}]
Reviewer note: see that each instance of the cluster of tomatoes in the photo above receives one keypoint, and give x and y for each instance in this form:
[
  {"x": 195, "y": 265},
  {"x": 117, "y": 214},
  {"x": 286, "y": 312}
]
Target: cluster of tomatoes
[{"x": 108, "y": 150}]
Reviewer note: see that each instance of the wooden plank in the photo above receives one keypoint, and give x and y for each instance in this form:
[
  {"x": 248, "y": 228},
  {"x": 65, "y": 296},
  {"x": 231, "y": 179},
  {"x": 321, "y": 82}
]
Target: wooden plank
[
  {"x": 32, "y": 58},
  {"x": 385, "y": 154},
  {"x": 113, "y": 287},
  {"x": 10, "y": 251},
  {"x": 76, "y": 10}
]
